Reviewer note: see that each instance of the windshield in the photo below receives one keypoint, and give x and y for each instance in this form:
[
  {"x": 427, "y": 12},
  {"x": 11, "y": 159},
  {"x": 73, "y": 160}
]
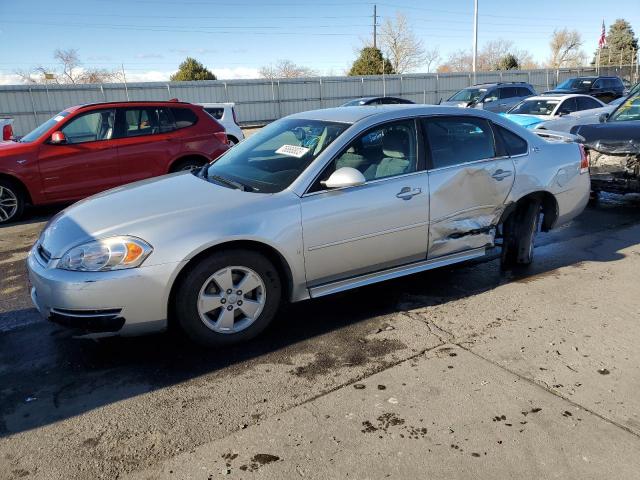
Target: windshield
[
  {"x": 576, "y": 83},
  {"x": 629, "y": 110},
  {"x": 273, "y": 158},
  {"x": 535, "y": 107},
  {"x": 39, "y": 131},
  {"x": 468, "y": 95}
]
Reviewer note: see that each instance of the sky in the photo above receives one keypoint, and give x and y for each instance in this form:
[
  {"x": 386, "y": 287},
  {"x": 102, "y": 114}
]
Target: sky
[{"x": 234, "y": 38}]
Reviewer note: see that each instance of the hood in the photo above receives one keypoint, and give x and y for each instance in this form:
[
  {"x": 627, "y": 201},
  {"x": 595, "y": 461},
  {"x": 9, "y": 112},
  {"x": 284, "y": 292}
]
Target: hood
[
  {"x": 13, "y": 148},
  {"x": 450, "y": 103},
  {"x": 524, "y": 120},
  {"x": 611, "y": 137},
  {"x": 157, "y": 207}
]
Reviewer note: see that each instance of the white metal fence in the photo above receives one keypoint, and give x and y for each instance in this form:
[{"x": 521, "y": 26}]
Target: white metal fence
[{"x": 261, "y": 101}]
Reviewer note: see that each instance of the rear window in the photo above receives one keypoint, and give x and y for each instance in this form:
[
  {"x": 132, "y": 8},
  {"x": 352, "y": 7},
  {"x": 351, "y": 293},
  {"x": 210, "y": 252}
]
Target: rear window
[{"x": 183, "y": 117}]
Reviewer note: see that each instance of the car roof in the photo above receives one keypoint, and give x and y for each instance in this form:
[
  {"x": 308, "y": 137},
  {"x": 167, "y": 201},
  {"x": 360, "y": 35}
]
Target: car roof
[
  {"x": 355, "y": 114},
  {"x": 558, "y": 96}
]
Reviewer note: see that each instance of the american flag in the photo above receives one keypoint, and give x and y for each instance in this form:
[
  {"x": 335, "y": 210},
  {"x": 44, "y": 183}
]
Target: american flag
[{"x": 603, "y": 37}]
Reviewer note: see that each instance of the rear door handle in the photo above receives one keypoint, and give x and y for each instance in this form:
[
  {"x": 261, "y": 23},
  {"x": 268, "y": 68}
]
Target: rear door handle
[
  {"x": 500, "y": 174},
  {"x": 407, "y": 193}
]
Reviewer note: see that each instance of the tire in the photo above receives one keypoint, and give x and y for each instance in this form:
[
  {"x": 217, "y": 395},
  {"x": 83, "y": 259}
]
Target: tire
[
  {"x": 519, "y": 235},
  {"x": 12, "y": 201},
  {"x": 187, "y": 164},
  {"x": 228, "y": 321}
]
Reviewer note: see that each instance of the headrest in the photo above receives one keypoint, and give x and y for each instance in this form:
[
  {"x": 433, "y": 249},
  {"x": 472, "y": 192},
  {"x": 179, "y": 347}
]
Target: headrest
[{"x": 394, "y": 144}]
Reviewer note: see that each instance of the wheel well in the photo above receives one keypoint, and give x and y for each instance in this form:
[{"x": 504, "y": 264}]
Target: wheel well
[
  {"x": 269, "y": 252},
  {"x": 548, "y": 203},
  {"x": 232, "y": 138},
  {"x": 23, "y": 188},
  {"x": 177, "y": 161}
]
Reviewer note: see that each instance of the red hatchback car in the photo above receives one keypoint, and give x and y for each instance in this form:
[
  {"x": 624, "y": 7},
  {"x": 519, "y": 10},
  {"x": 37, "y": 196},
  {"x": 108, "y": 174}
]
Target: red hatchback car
[{"x": 90, "y": 148}]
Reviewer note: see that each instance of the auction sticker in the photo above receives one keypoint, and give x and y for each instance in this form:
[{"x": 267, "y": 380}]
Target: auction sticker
[{"x": 292, "y": 151}]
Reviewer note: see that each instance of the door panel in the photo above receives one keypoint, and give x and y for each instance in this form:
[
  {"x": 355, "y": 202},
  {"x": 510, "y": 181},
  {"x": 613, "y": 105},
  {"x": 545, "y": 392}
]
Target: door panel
[
  {"x": 363, "y": 229},
  {"x": 86, "y": 164},
  {"x": 468, "y": 184},
  {"x": 466, "y": 203}
]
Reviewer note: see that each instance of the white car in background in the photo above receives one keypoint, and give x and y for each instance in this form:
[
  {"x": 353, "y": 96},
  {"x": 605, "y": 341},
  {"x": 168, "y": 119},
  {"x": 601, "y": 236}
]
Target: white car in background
[
  {"x": 225, "y": 113},
  {"x": 556, "y": 112}
]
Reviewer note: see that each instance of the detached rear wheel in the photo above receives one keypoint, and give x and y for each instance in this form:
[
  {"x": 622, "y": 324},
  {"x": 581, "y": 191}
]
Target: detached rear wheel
[
  {"x": 11, "y": 201},
  {"x": 520, "y": 231},
  {"x": 229, "y": 297}
]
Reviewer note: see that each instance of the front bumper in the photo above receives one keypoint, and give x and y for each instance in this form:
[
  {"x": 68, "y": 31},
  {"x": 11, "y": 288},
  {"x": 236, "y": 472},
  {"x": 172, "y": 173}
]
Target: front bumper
[{"x": 126, "y": 302}]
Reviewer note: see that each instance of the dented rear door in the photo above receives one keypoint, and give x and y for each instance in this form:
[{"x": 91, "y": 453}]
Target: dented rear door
[{"x": 468, "y": 183}]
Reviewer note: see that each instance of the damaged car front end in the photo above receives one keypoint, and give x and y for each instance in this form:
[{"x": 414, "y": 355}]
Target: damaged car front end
[{"x": 613, "y": 147}]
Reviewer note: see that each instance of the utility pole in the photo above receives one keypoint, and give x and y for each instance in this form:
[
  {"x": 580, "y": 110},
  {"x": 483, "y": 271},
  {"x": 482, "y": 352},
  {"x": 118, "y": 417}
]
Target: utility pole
[
  {"x": 475, "y": 38},
  {"x": 375, "y": 24},
  {"x": 124, "y": 79}
]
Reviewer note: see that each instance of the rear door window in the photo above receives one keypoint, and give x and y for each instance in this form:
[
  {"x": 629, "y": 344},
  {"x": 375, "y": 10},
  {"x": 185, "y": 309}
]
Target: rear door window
[
  {"x": 183, "y": 117},
  {"x": 139, "y": 121},
  {"x": 165, "y": 120},
  {"x": 457, "y": 140},
  {"x": 585, "y": 103},
  {"x": 568, "y": 106},
  {"x": 215, "y": 112},
  {"x": 524, "y": 92},
  {"x": 508, "y": 92}
]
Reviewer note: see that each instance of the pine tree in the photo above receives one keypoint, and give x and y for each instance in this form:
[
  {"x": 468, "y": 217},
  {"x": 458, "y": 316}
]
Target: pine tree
[
  {"x": 370, "y": 62},
  {"x": 621, "y": 40},
  {"x": 508, "y": 62},
  {"x": 191, "y": 69}
]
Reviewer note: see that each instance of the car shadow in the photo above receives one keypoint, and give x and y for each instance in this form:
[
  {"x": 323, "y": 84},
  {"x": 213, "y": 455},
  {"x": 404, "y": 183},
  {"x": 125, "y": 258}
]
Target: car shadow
[{"x": 41, "y": 363}]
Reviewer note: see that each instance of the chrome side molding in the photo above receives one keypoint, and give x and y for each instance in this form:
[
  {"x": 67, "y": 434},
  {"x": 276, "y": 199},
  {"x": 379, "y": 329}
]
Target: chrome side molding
[{"x": 401, "y": 271}]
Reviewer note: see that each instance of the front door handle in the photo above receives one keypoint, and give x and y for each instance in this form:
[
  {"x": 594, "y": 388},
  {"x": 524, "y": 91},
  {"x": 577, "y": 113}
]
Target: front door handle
[
  {"x": 407, "y": 193},
  {"x": 500, "y": 174}
]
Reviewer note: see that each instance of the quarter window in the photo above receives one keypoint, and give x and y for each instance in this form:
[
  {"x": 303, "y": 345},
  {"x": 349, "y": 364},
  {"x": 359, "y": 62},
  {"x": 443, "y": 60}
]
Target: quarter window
[
  {"x": 90, "y": 127},
  {"x": 184, "y": 117},
  {"x": 508, "y": 92},
  {"x": 457, "y": 140},
  {"x": 215, "y": 112},
  {"x": 512, "y": 142},
  {"x": 382, "y": 152}
]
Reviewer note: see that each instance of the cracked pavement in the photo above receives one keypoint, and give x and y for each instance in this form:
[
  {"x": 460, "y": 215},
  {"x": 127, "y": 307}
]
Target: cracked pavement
[{"x": 407, "y": 378}]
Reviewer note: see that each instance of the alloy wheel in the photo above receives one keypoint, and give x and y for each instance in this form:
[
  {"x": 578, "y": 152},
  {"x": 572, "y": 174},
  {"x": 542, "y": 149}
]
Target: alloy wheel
[
  {"x": 231, "y": 299},
  {"x": 8, "y": 204}
]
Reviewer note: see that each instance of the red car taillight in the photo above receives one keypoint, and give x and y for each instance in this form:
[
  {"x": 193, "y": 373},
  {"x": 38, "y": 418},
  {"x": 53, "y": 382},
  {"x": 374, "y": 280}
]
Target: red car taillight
[
  {"x": 584, "y": 160},
  {"x": 7, "y": 132},
  {"x": 222, "y": 136}
]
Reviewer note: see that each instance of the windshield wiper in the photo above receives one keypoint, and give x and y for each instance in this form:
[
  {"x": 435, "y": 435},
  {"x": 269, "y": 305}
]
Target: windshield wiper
[{"x": 232, "y": 183}]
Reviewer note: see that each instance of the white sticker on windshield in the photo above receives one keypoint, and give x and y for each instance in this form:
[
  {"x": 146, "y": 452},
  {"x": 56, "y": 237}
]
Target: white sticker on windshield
[
  {"x": 58, "y": 118},
  {"x": 292, "y": 151}
]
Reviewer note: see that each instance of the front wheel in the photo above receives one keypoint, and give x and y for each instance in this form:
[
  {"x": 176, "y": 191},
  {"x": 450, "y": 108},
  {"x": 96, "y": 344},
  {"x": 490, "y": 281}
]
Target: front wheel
[
  {"x": 229, "y": 297},
  {"x": 519, "y": 235},
  {"x": 11, "y": 201}
]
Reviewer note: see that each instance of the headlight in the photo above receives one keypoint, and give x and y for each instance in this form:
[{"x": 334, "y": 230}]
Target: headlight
[{"x": 115, "y": 253}]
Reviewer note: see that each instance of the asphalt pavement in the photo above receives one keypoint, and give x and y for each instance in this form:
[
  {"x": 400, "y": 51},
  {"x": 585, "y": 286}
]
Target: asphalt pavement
[{"x": 155, "y": 405}]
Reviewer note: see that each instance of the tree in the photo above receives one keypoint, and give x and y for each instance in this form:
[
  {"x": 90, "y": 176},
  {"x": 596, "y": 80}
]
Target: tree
[
  {"x": 70, "y": 71},
  {"x": 405, "y": 51},
  {"x": 508, "y": 62},
  {"x": 621, "y": 42},
  {"x": 190, "y": 70},
  {"x": 286, "y": 69},
  {"x": 489, "y": 58},
  {"x": 371, "y": 62},
  {"x": 432, "y": 57},
  {"x": 565, "y": 49}
]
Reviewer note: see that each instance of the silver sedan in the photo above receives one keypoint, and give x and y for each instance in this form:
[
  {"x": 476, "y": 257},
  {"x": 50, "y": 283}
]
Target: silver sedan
[{"x": 315, "y": 203}]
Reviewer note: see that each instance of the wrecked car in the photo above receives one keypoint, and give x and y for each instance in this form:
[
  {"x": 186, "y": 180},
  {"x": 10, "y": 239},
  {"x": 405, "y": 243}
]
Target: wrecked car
[
  {"x": 613, "y": 147},
  {"x": 313, "y": 204}
]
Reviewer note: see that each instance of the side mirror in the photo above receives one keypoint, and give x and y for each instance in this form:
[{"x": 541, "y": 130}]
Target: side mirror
[
  {"x": 58, "y": 137},
  {"x": 603, "y": 117},
  {"x": 345, "y": 177}
]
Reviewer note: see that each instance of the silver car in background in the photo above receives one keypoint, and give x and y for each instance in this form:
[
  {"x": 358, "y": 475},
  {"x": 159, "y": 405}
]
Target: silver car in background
[
  {"x": 316, "y": 203},
  {"x": 493, "y": 97}
]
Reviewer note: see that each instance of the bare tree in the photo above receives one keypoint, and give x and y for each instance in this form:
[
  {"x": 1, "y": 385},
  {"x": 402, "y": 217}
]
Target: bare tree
[
  {"x": 565, "y": 49},
  {"x": 489, "y": 57},
  {"x": 70, "y": 71},
  {"x": 405, "y": 51},
  {"x": 286, "y": 69},
  {"x": 432, "y": 57}
]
